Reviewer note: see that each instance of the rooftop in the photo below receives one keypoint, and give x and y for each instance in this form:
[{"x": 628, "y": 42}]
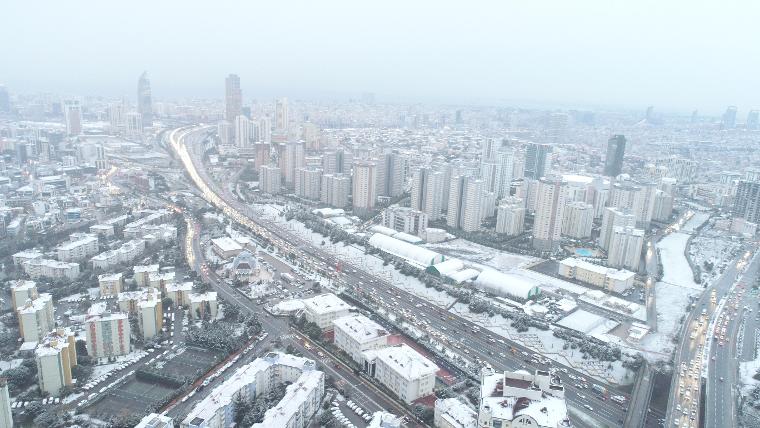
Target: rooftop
[
  {"x": 359, "y": 327},
  {"x": 325, "y": 303},
  {"x": 405, "y": 361}
]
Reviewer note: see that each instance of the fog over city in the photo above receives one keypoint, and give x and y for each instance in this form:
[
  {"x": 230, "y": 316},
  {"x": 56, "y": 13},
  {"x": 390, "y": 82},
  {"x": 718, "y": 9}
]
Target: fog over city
[
  {"x": 680, "y": 55},
  {"x": 507, "y": 214}
]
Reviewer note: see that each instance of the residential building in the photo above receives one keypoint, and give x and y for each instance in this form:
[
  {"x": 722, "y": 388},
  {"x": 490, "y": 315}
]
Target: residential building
[
  {"x": 520, "y": 399},
  {"x": 53, "y": 269},
  {"x": 550, "y": 205},
  {"x": 270, "y": 179},
  {"x": 262, "y": 154},
  {"x": 401, "y": 369},
  {"x": 577, "y": 220},
  {"x": 325, "y": 308},
  {"x": 6, "y": 416},
  {"x": 617, "y": 280},
  {"x": 108, "y": 335},
  {"x": 128, "y": 251},
  {"x": 160, "y": 280},
  {"x": 465, "y": 203},
  {"x": 391, "y": 174},
  {"x": 335, "y": 189},
  {"x": 613, "y": 162},
  {"x": 129, "y": 300},
  {"x": 244, "y": 132},
  {"x": 154, "y": 420},
  {"x": 337, "y": 162},
  {"x": 36, "y": 317},
  {"x": 150, "y": 315},
  {"x": 405, "y": 219},
  {"x": 110, "y": 284},
  {"x": 21, "y": 291},
  {"x": 292, "y": 158},
  {"x": 625, "y": 248},
  {"x": 356, "y": 333},
  {"x": 364, "y": 193},
  {"x": 747, "y": 200},
  {"x": 179, "y": 293},
  {"x": 637, "y": 198},
  {"x": 427, "y": 192},
  {"x": 78, "y": 249},
  {"x": 56, "y": 356},
  {"x": 142, "y": 274},
  {"x": 612, "y": 218},
  {"x": 308, "y": 183},
  {"x": 281, "y": 116},
  {"x": 303, "y": 393},
  {"x": 510, "y": 216},
  {"x": 537, "y": 160},
  {"x": 203, "y": 305},
  {"x": 134, "y": 124},
  {"x": 72, "y": 115},
  {"x": 144, "y": 101}
]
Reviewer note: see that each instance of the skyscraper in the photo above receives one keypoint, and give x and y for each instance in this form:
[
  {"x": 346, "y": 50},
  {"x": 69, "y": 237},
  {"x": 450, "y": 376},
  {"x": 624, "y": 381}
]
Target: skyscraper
[
  {"x": 537, "y": 160},
  {"x": 144, "y": 101},
  {"x": 510, "y": 216},
  {"x": 427, "y": 192},
  {"x": 753, "y": 120},
  {"x": 729, "y": 118},
  {"x": 465, "y": 203},
  {"x": 281, "y": 115},
  {"x": 233, "y": 97},
  {"x": 365, "y": 186},
  {"x": 72, "y": 114},
  {"x": 293, "y": 158},
  {"x": 577, "y": 220},
  {"x": 550, "y": 204},
  {"x": 611, "y": 219},
  {"x": 392, "y": 178},
  {"x": 625, "y": 248},
  {"x": 613, "y": 162},
  {"x": 747, "y": 201}
]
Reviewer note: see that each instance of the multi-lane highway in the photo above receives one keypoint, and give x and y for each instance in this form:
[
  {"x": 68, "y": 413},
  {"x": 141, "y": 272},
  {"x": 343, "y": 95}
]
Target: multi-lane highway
[
  {"x": 488, "y": 348},
  {"x": 733, "y": 340}
]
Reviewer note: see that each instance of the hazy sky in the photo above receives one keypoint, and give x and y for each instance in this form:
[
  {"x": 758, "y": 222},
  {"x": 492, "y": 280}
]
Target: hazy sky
[{"x": 674, "y": 54}]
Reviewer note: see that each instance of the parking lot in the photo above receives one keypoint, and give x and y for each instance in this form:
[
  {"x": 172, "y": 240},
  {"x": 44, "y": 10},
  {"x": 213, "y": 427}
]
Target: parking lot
[
  {"x": 183, "y": 362},
  {"x": 133, "y": 397}
]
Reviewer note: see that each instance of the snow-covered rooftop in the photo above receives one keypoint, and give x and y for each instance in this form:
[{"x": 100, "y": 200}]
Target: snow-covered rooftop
[
  {"x": 404, "y": 360},
  {"x": 360, "y": 328},
  {"x": 325, "y": 303}
]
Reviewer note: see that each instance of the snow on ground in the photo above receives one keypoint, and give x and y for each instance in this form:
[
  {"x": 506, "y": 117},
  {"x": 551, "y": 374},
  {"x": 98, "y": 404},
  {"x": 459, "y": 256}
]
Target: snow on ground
[
  {"x": 748, "y": 369},
  {"x": 481, "y": 255},
  {"x": 674, "y": 292},
  {"x": 100, "y": 370}
]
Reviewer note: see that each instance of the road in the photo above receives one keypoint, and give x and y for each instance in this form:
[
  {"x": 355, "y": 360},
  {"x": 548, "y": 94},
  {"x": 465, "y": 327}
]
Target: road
[
  {"x": 739, "y": 345},
  {"x": 684, "y": 401},
  {"x": 479, "y": 344}
]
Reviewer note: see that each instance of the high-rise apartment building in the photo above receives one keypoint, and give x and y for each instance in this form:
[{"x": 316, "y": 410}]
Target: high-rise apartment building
[
  {"x": 577, "y": 220},
  {"x": 308, "y": 183},
  {"x": 336, "y": 162},
  {"x": 134, "y": 124},
  {"x": 405, "y": 219},
  {"x": 270, "y": 179},
  {"x": 335, "y": 189},
  {"x": 747, "y": 201},
  {"x": 391, "y": 174},
  {"x": 36, "y": 317},
  {"x": 613, "y": 162},
  {"x": 262, "y": 154},
  {"x": 72, "y": 115},
  {"x": 537, "y": 160},
  {"x": 427, "y": 192},
  {"x": 465, "y": 203},
  {"x": 244, "y": 132},
  {"x": 150, "y": 316},
  {"x": 612, "y": 218},
  {"x": 728, "y": 120},
  {"x": 364, "y": 186},
  {"x": 233, "y": 98},
  {"x": 281, "y": 118},
  {"x": 638, "y": 198},
  {"x": 625, "y": 248},
  {"x": 108, "y": 335},
  {"x": 753, "y": 120},
  {"x": 510, "y": 216},
  {"x": 292, "y": 159},
  {"x": 550, "y": 204},
  {"x": 144, "y": 100},
  {"x": 56, "y": 356}
]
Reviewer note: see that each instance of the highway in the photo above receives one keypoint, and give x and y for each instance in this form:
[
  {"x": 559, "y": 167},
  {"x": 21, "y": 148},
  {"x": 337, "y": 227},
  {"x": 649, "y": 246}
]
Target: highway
[
  {"x": 735, "y": 345},
  {"x": 485, "y": 347}
]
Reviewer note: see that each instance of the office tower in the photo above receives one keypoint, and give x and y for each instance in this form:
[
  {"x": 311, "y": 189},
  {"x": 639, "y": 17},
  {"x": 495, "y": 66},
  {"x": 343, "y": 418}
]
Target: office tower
[
  {"x": 625, "y": 248},
  {"x": 537, "y": 160},
  {"x": 577, "y": 220},
  {"x": 728, "y": 120},
  {"x": 225, "y": 132},
  {"x": 753, "y": 120},
  {"x": 243, "y": 132},
  {"x": 263, "y": 154},
  {"x": 5, "y": 100},
  {"x": 550, "y": 204},
  {"x": 405, "y": 219},
  {"x": 270, "y": 179},
  {"x": 611, "y": 219},
  {"x": 72, "y": 114},
  {"x": 281, "y": 115},
  {"x": 36, "y": 317},
  {"x": 747, "y": 201},
  {"x": 308, "y": 183},
  {"x": 108, "y": 335},
  {"x": 510, "y": 216},
  {"x": 233, "y": 98},
  {"x": 144, "y": 101},
  {"x": 391, "y": 175},
  {"x": 56, "y": 356},
  {"x": 364, "y": 187},
  {"x": 292, "y": 159},
  {"x": 134, "y": 124},
  {"x": 6, "y": 417},
  {"x": 335, "y": 189},
  {"x": 427, "y": 192},
  {"x": 613, "y": 162}
]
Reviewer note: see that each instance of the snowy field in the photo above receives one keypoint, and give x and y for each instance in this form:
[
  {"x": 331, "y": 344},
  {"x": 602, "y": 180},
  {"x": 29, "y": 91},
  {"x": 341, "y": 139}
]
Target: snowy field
[
  {"x": 674, "y": 292},
  {"x": 481, "y": 255}
]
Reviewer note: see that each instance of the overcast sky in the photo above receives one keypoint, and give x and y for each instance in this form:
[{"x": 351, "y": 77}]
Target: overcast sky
[{"x": 673, "y": 54}]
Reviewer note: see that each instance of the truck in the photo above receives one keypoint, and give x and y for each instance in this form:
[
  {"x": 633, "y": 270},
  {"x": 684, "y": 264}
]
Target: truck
[
  {"x": 286, "y": 277},
  {"x": 619, "y": 399},
  {"x": 599, "y": 389}
]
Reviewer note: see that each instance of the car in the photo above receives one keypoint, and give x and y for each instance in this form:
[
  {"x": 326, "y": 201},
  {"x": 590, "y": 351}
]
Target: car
[{"x": 589, "y": 408}]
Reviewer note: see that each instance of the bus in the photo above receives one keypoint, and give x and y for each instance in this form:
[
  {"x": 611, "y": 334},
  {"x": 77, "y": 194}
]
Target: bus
[
  {"x": 286, "y": 277},
  {"x": 619, "y": 399},
  {"x": 599, "y": 389}
]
